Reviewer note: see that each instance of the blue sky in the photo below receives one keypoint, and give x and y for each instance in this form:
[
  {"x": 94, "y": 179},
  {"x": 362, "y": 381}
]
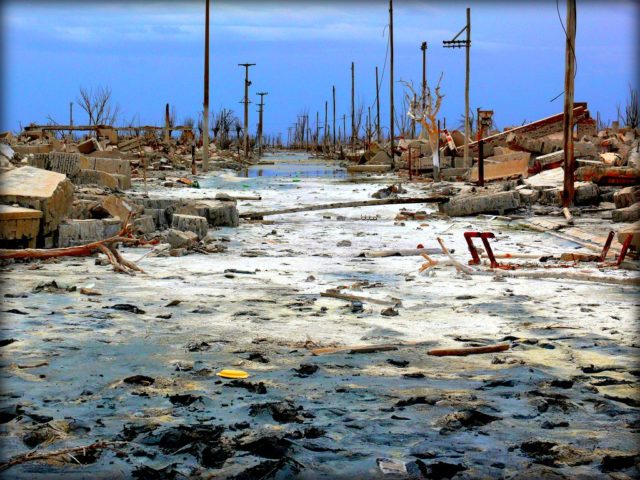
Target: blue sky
[{"x": 151, "y": 53}]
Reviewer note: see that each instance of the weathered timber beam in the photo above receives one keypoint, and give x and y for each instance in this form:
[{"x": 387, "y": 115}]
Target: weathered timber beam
[{"x": 332, "y": 206}]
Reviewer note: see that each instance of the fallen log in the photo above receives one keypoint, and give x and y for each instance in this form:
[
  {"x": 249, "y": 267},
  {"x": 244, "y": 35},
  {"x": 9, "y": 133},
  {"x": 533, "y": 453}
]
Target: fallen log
[
  {"x": 359, "y": 298},
  {"x": 462, "y": 352},
  {"x": 384, "y": 347},
  {"x": 332, "y": 206},
  {"x": 411, "y": 252}
]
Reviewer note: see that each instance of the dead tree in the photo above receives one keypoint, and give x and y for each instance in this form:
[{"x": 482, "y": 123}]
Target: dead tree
[
  {"x": 426, "y": 115},
  {"x": 97, "y": 104}
]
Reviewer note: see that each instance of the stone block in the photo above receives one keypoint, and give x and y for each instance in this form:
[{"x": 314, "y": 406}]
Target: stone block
[
  {"x": 633, "y": 229},
  {"x": 626, "y": 197},
  {"x": 30, "y": 187},
  {"x": 80, "y": 232},
  {"x": 33, "y": 149},
  {"x": 87, "y": 146},
  {"x": 144, "y": 224},
  {"x": 19, "y": 225},
  {"x": 528, "y": 196},
  {"x": 586, "y": 193},
  {"x": 465, "y": 205},
  {"x": 190, "y": 223},
  {"x": 627, "y": 214},
  {"x": 96, "y": 177},
  {"x": 61, "y": 162},
  {"x": 218, "y": 213},
  {"x": 119, "y": 207},
  {"x": 160, "y": 217},
  {"x": 180, "y": 239}
]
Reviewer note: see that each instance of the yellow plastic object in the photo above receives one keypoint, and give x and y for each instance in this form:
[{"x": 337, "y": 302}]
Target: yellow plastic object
[{"x": 233, "y": 374}]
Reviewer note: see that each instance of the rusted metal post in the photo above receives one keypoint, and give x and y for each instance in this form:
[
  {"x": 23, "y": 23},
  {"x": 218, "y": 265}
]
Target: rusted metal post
[
  {"x": 205, "y": 115},
  {"x": 410, "y": 173},
  {"x": 481, "y": 163},
  {"x": 391, "y": 129},
  {"x": 567, "y": 130}
]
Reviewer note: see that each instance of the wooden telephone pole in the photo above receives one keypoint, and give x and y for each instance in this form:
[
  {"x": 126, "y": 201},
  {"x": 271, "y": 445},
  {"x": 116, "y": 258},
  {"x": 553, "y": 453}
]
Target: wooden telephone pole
[
  {"x": 246, "y": 102},
  {"x": 353, "y": 107},
  {"x": 567, "y": 127},
  {"x": 391, "y": 129},
  {"x": 334, "y": 119},
  {"x": 260, "y": 112},
  {"x": 326, "y": 125},
  {"x": 378, "y": 130},
  {"x": 166, "y": 123},
  {"x": 423, "y": 47},
  {"x": 205, "y": 115},
  {"x": 454, "y": 43}
]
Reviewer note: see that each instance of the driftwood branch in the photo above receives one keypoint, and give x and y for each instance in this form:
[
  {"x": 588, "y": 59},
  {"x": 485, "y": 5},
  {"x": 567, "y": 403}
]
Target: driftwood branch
[{"x": 33, "y": 456}]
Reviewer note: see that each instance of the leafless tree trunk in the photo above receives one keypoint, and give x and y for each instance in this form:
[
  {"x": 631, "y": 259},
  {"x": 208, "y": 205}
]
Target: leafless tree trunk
[{"x": 98, "y": 106}]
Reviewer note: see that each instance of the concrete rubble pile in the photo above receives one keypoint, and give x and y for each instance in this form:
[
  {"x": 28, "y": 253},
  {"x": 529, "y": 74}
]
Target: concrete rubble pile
[{"x": 59, "y": 192}]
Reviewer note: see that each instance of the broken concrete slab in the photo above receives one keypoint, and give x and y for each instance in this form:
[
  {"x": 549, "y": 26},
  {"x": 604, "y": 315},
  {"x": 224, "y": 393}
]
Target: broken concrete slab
[
  {"x": 144, "y": 224},
  {"x": 180, "y": 239},
  {"x": 499, "y": 202},
  {"x": 190, "y": 223},
  {"x": 608, "y": 175},
  {"x": 120, "y": 207},
  {"x": 380, "y": 158},
  {"x": 67, "y": 163},
  {"x": 627, "y": 214},
  {"x": 80, "y": 232},
  {"x": 96, "y": 177},
  {"x": 626, "y": 196},
  {"x": 218, "y": 213},
  {"x": 89, "y": 145},
  {"x": 19, "y": 225},
  {"x": 30, "y": 187},
  {"x": 633, "y": 229},
  {"x": 503, "y": 166}
]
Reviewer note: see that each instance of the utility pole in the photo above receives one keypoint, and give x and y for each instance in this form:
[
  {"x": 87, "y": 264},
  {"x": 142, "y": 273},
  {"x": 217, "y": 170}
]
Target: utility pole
[
  {"x": 353, "y": 107},
  {"x": 246, "y": 102},
  {"x": 205, "y": 118},
  {"x": 391, "y": 132},
  {"x": 166, "y": 123},
  {"x": 326, "y": 126},
  {"x": 567, "y": 126},
  {"x": 344, "y": 128},
  {"x": 368, "y": 126},
  {"x": 454, "y": 43},
  {"x": 71, "y": 118},
  {"x": 334, "y": 119},
  {"x": 260, "y": 112},
  {"x": 423, "y": 47},
  {"x": 317, "y": 129},
  {"x": 378, "y": 130}
]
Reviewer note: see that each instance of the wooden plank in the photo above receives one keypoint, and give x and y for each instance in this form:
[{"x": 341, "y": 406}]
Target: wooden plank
[
  {"x": 517, "y": 165},
  {"x": 359, "y": 298},
  {"x": 331, "y": 206}
]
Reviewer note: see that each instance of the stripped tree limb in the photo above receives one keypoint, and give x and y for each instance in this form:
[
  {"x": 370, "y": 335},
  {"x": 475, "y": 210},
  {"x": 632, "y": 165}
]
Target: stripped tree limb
[
  {"x": 32, "y": 456},
  {"x": 461, "y": 352},
  {"x": 459, "y": 266}
]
